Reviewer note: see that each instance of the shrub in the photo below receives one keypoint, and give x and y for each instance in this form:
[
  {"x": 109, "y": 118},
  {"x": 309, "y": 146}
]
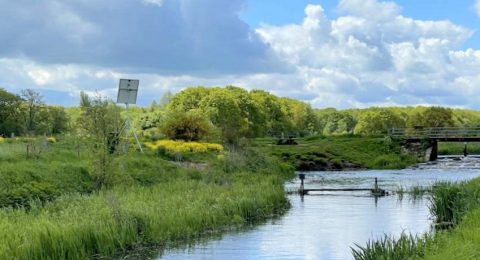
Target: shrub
[
  {"x": 172, "y": 146},
  {"x": 189, "y": 126},
  {"x": 51, "y": 140},
  {"x": 2, "y": 140}
]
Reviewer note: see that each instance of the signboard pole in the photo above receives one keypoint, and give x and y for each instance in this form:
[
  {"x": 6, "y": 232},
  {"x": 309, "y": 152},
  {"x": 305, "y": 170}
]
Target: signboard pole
[
  {"x": 127, "y": 94},
  {"x": 128, "y": 128}
]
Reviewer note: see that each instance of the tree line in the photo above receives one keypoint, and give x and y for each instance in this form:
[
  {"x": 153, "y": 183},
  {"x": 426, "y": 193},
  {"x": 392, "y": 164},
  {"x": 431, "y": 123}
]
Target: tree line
[
  {"x": 227, "y": 113},
  {"x": 27, "y": 114}
]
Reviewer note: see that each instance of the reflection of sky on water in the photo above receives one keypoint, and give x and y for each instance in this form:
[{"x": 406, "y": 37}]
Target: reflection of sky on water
[{"x": 325, "y": 226}]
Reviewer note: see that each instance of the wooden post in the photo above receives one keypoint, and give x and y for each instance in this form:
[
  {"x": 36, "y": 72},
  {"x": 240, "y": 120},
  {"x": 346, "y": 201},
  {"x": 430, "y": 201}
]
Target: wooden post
[
  {"x": 376, "y": 184},
  {"x": 302, "y": 177}
]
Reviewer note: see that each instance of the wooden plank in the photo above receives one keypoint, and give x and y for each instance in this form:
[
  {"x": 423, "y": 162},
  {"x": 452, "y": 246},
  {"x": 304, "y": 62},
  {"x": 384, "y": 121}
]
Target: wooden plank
[{"x": 307, "y": 190}]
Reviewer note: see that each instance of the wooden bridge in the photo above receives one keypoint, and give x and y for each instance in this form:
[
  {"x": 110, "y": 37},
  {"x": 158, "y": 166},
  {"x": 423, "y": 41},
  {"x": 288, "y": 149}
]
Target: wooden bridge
[
  {"x": 440, "y": 134},
  {"x": 423, "y": 142}
]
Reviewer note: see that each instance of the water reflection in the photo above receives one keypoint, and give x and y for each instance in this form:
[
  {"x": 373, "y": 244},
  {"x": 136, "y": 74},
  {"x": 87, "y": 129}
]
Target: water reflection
[{"x": 325, "y": 225}]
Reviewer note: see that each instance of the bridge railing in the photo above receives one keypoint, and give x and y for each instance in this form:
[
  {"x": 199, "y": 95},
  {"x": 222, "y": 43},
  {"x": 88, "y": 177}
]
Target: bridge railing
[{"x": 436, "y": 132}]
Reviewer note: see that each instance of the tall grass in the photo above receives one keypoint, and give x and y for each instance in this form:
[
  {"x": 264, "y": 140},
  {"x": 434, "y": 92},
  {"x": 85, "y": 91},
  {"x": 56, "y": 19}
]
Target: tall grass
[
  {"x": 456, "y": 211},
  {"x": 51, "y": 211},
  {"x": 391, "y": 248},
  {"x": 451, "y": 201},
  {"x": 78, "y": 227}
]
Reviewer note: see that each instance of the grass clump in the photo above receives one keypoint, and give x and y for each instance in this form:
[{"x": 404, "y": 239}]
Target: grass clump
[
  {"x": 391, "y": 248},
  {"x": 451, "y": 201}
]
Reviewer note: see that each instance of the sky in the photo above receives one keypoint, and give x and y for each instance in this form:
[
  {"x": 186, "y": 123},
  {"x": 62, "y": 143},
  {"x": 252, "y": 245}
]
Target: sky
[{"x": 343, "y": 54}]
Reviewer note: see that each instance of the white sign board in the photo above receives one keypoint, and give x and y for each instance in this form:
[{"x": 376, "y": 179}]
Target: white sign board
[{"x": 127, "y": 91}]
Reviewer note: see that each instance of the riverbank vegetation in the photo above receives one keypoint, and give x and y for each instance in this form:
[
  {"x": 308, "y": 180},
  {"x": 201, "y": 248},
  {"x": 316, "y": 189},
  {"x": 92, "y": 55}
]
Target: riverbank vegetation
[
  {"x": 339, "y": 153},
  {"x": 52, "y": 208},
  {"x": 455, "y": 208}
]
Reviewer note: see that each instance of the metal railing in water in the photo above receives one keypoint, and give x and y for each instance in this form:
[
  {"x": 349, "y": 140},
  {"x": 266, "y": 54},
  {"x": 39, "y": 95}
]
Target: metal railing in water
[{"x": 436, "y": 132}]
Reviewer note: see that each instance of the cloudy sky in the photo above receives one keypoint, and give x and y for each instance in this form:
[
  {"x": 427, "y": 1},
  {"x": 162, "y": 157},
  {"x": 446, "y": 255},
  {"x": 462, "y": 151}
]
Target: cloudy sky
[{"x": 346, "y": 53}]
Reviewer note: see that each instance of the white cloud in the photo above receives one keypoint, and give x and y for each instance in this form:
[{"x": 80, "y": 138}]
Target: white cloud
[
  {"x": 355, "y": 60},
  {"x": 360, "y": 59},
  {"x": 153, "y": 2},
  {"x": 477, "y": 7}
]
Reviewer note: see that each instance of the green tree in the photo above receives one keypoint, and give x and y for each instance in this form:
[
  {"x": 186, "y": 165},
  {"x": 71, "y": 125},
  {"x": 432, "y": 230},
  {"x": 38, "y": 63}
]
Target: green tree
[
  {"x": 378, "y": 121},
  {"x": 431, "y": 117},
  {"x": 33, "y": 105},
  {"x": 100, "y": 121},
  {"x": 339, "y": 123},
  {"x": 192, "y": 125},
  {"x": 10, "y": 113},
  {"x": 225, "y": 113}
]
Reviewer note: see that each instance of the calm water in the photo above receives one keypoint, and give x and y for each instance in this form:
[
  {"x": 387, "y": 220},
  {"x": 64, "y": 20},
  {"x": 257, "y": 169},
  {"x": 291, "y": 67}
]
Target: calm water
[{"x": 326, "y": 225}]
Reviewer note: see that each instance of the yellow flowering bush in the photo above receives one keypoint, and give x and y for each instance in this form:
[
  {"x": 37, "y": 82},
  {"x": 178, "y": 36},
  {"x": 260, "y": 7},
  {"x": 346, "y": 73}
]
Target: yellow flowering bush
[
  {"x": 51, "y": 140},
  {"x": 172, "y": 146},
  {"x": 2, "y": 140}
]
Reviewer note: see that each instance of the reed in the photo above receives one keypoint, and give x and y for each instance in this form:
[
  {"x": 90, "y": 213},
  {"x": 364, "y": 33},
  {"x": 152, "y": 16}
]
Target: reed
[
  {"x": 108, "y": 222},
  {"x": 151, "y": 202},
  {"x": 391, "y": 248}
]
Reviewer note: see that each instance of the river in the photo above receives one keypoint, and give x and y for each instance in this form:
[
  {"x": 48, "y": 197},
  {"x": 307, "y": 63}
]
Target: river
[{"x": 325, "y": 225}]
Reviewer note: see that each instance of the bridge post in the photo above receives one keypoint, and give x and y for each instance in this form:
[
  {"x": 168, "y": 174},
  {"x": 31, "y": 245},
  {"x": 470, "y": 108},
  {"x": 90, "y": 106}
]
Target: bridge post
[{"x": 432, "y": 151}]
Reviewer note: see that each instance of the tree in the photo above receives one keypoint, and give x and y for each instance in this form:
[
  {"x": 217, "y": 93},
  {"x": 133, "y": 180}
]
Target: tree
[
  {"x": 226, "y": 114},
  {"x": 100, "y": 121},
  {"x": 10, "y": 113},
  {"x": 192, "y": 125},
  {"x": 378, "y": 121},
  {"x": 33, "y": 105},
  {"x": 431, "y": 117},
  {"x": 339, "y": 123}
]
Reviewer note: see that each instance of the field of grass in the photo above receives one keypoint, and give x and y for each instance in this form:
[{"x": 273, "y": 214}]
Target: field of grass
[
  {"x": 457, "y": 148},
  {"x": 336, "y": 153},
  {"x": 51, "y": 210}
]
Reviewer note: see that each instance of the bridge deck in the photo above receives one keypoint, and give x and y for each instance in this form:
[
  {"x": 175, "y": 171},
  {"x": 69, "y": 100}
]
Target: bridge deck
[{"x": 444, "y": 134}]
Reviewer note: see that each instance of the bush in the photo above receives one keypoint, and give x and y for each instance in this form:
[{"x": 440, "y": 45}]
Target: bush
[
  {"x": 184, "y": 147},
  {"x": 187, "y": 126},
  {"x": 2, "y": 140}
]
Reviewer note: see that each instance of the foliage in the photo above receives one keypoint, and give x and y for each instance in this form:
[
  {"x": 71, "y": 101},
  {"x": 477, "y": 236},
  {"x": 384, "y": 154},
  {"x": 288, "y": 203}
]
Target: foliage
[
  {"x": 431, "y": 117},
  {"x": 192, "y": 125},
  {"x": 10, "y": 113},
  {"x": 459, "y": 243},
  {"x": 101, "y": 123},
  {"x": 152, "y": 201},
  {"x": 391, "y": 248},
  {"x": 338, "y": 152},
  {"x": 2, "y": 140},
  {"x": 184, "y": 147},
  {"x": 378, "y": 122},
  {"x": 451, "y": 201},
  {"x": 33, "y": 106}
]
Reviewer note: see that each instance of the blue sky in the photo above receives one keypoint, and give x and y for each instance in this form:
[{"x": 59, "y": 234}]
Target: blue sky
[{"x": 345, "y": 53}]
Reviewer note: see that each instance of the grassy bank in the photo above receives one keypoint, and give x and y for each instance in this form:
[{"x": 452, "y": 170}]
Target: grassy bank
[
  {"x": 337, "y": 153},
  {"x": 456, "y": 211},
  {"x": 152, "y": 201},
  {"x": 458, "y": 148}
]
